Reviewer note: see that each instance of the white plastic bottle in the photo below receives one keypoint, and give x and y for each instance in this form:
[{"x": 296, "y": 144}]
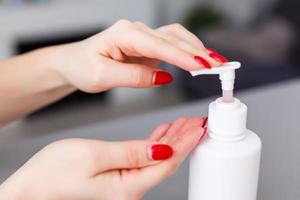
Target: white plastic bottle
[{"x": 225, "y": 166}]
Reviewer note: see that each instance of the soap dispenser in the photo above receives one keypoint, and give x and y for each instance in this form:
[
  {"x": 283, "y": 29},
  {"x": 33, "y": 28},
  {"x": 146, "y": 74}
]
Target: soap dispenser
[{"x": 225, "y": 164}]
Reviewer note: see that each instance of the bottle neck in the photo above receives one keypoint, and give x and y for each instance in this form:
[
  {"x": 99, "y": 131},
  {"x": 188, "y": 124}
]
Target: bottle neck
[
  {"x": 227, "y": 121},
  {"x": 226, "y": 138}
]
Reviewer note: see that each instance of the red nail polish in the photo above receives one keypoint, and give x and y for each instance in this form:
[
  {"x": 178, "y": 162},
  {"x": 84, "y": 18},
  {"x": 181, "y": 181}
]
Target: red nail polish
[
  {"x": 218, "y": 57},
  {"x": 202, "y": 61},
  {"x": 204, "y": 133},
  {"x": 204, "y": 121},
  {"x": 160, "y": 152},
  {"x": 162, "y": 78},
  {"x": 211, "y": 50}
]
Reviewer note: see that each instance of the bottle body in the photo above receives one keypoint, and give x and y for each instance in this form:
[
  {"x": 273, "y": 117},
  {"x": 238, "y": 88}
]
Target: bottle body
[{"x": 225, "y": 170}]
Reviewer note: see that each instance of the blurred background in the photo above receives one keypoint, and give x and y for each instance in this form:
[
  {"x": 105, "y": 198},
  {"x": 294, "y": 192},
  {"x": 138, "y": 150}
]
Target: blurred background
[{"x": 262, "y": 34}]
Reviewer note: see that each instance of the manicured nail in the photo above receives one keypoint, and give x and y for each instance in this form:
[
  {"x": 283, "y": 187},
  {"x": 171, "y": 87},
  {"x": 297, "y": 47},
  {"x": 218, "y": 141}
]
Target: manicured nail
[
  {"x": 162, "y": 78},
  {"x": 218, "y": 57},
  {"x": 160, "y": 152},
  {"x": 204, "y": 121},
  {"x": 202, "y": 61},
  {"x": 204, "y": 133},
  {"x": 211, "y": 50}
]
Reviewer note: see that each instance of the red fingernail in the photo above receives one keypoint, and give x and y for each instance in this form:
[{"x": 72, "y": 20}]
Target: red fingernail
[
  {"x": 218, "y": 57},
  {"x": 202, "y": 61},
  {"x": 204, "y": 121},
  {"x": 204, "y": 133},
  {"x": 162, "y": 78},
  {"x": 160, "y": 152},
  {"x": 211, "y": 50}
]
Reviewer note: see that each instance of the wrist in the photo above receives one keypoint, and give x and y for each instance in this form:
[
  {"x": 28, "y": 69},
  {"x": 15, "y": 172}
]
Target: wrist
[{"x": 52, "y": 59}]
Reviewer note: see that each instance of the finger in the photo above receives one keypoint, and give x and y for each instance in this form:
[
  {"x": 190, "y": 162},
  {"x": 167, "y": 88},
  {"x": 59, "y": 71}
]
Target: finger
[
  {"x": 205, "y": 59},
  {"x": 167, "y": 30},
  {"x": 180, "y": 32},
  {"x": 147, "y": 45},
  {"x": 143, "y": 27},
  {"x": 129, "y": 154},
  {"x": 142, "y": 60},
  {"x": 190, "y": 123},
  {"x": 180, "y": 126},
  {"x": 177, "y": 31},
  {"x": 153, "y": 175},
  {"x": 173, "y": 130},
  {"x": 196, "y": 121},
  {"x": 159, "y": 132},
  {"x": 134, "y": 75}
]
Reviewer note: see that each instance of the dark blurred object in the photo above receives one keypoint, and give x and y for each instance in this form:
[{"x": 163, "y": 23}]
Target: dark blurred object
[
  {"x": 264, "y": 46},
  {"x": 202, "y": 16},
  {"x": 28, "y": 44},
  {"x": 289, "y": 10},
  {"x": 271, "y": 37},
  {"x": 248, "y": 76},
  {"x": 268, "y": 42}
]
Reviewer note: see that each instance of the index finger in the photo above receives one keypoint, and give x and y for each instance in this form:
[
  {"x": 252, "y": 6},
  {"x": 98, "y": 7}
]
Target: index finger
[{"x": 147, "y": 45}]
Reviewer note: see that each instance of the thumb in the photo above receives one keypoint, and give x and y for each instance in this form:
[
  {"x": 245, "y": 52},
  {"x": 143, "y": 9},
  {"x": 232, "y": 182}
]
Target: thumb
[
  {"x": 135, "y": 75},
  {"x": 151, "y": 176},
  {"x": 130, "y": 154}
]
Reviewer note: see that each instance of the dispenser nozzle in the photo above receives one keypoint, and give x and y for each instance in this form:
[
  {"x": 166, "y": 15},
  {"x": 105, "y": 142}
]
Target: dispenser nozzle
[{"x": 226, "y": 74}]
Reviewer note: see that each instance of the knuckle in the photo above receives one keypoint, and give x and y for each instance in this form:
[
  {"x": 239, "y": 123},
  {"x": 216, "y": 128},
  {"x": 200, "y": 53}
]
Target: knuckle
[
  {"x": 139, "y": 23},
  {"x": 132, "y": 156},
  {"x": 178, "y": 27},
  {"x": 159, "y": 43},
  {"x": 138, "y": 76},
  {"x": 123, "y": 23}
]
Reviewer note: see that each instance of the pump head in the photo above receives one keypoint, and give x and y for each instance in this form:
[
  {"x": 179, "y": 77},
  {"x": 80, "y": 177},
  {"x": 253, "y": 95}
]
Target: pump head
[{"x": 226, "y": 74}]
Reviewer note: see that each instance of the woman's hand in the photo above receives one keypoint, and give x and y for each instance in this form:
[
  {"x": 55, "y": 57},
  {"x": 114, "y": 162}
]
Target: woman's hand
[
  {"x": 90, "y": 169},
  {"x": 124, "y": 55},
  {"x": 127, "y": 54}
]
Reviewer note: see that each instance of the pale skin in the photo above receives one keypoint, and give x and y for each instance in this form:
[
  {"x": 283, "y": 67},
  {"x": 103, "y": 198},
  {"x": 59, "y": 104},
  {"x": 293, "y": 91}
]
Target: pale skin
[
  {"x": 77, "y": 169},
  {"x": 124, "y": 55}
]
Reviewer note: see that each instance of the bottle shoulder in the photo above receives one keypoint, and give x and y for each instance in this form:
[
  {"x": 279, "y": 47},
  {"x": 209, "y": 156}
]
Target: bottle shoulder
[{"x": 249, "y": 144}]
